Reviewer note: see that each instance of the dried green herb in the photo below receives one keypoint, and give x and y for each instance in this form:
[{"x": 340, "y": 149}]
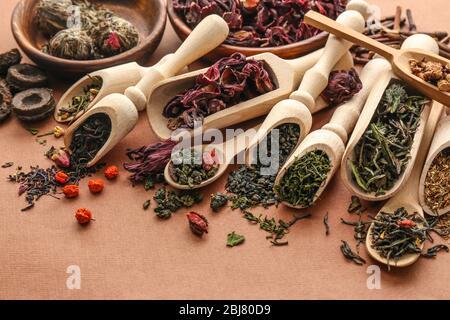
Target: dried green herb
[
  {"x": 73, "y": 43},
  {"x": 146, "y": 204},
  {"x": 250, "y": 186},
  {"x": 276, "y": 230},
  {"x": 437, "y": 182},
  {"x": 7, "y": 164},
  {"x": 80, "y": 102},
  {"x": 356, "y": 206},
  {"x": 350, "y": 255},
  {"x": 234, "y": 239},
  {"x": 192, "y": 168},
  {"x": 33, "y": 131},
  {"x": 397, "y": 233},
  {"x": 383, "y": 152},
  {"x": 326, "y": 224},
  {"x": 218, "y": 200},
  {"x": 433, "y": 251},
  {"x": 170, "y": 201},
  {"x": 303, "y": 178}
]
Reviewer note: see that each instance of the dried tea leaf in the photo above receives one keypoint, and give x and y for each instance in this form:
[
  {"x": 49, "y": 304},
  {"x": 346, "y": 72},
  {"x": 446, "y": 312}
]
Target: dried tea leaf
[{"x": 234, "y": 239}]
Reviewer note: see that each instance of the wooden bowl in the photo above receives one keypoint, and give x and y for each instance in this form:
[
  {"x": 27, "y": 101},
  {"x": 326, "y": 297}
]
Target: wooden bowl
[
  {"x": 288, "y": 51},
  {"x": 149, "y": 17}
]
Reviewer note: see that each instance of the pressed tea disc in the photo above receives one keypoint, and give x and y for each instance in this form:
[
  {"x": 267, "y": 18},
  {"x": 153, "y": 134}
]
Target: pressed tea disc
[
  {"x": 33, "y": 104},
  {"x": 5, "y": 100},
  {"x": 25, "y": 76}
]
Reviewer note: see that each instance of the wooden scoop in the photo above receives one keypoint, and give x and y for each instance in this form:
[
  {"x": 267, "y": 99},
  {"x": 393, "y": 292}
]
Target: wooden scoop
[
  {"x": 208, "y": 34},
  {"x": 286, "y": 74},
  {"x": 398, "y": 58},
  {"x": 370, "y": 107},
  {"x": 408, "y": 197},
  {"x": 226, "y": 152},
  {"x": 114, "y": 80},
  {"x": 332, "y": 137},
  {"x": 441, "y": 141}
]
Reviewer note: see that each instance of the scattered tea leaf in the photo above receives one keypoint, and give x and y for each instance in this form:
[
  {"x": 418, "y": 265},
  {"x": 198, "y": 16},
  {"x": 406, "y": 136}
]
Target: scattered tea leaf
[
  {"x": 327, "y": 226},
  {"x": 234, "y": 239},
  {"x": 7, "y": 164},
  {"x": 146, "y": 204},
  {"x": 350, "y": 255}
]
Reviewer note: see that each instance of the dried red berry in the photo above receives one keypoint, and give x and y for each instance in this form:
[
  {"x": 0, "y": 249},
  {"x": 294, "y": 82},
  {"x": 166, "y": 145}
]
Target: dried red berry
[
  {"x": 61, "y": 177},
  {"x": 83, "y": 215},
  {"x": 71, "y": 191},
  {"x": 96, "y": 185},
  {"x": 197, "y": 223},
  {"x": 406, "y": 223},
  {"x": 111, "y": 172}
]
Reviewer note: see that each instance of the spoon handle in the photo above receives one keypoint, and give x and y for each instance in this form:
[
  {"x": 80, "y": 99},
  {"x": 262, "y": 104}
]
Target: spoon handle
[
  {"x": 326, "y": 24},
  {"x": 345, "y": 117},
  {"x": 411, "y": 189},
  {"x": 315, "y": 79},
  {"x": 207, "y": 35}
]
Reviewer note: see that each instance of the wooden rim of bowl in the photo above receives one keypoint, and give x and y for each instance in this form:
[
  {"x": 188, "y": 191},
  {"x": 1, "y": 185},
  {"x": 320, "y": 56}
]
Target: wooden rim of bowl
[
  {"x": 27, "y": 47},
  {"x": 177, "y": 21}
]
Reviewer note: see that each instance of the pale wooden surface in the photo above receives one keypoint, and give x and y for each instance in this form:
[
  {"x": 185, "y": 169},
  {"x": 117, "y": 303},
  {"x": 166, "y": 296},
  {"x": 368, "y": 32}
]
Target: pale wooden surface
[
  {"x": 128, "y": 253},
  {"x": 408, "y": 197},
  {"x": 399, "y": 58}
]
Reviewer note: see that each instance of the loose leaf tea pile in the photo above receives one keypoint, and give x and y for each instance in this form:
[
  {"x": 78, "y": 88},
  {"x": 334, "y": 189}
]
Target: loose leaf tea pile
[
  {"x": 303, "y": 178},
  {"x": 191, "y": 167},
  {"x": 383, "y": 152},
  {"x": 99, "y": 33},
  {"x": 260, "y": 23},
  {"x": 250, "y": 186},
  {"x": 170, "y": 201},
  {"x": 432, "y": 72},
  {"x": 227, "y": 82},
  {"x": 437, "y": 182}
]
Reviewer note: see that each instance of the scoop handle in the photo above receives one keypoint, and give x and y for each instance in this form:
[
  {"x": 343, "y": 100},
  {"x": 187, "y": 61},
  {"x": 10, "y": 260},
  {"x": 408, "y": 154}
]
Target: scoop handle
[
  {"x": 315, "y": 79},
  {"x": 207, "y": 35},
  {"x": 335, "y": 27},
  {"x": 345, "y": 117}
]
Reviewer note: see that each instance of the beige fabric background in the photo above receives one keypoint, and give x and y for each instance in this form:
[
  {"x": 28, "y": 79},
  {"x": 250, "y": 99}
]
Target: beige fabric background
[{"x": 129, "y": 253}]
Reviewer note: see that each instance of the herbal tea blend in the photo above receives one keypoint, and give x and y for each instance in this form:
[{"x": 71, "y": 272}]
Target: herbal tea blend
[
  {"x": 383, "y": 152},
  {"x": 170, "y": 201},
  {"x": 303, "y": 178},
  {"x": 194, "y": 166},
  {"x": 437, "y": 182},
  {"x": 79, "y": 103},
  {"x": 395, "y": 234},
  {"x": 260, "y": 23},
  {"x": 342, "y": 86},
  {"x": 249, "y": 185},
  {"x": 100, "y": 33},
  {"x": 218, "y": 200},
  {"x": 432, "y": 72},
  {"x": 226, "y": 83}
]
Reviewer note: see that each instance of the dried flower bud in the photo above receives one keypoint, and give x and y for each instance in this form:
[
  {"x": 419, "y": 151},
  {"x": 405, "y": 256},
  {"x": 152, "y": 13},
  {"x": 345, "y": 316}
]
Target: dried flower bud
[
  {"x": 61, "y": 177},
  {"x": 96, "y": 185},
  {"x": 111, "y": 172},
  {"x": 71, "y": 191},
  {"x": 83, "y": 216},
  {"x": 61, "y": 158},
  {"x": 342, "y": 86},
  {"x": 197, "y": 223},
  {"x": 58, "y": 132},
  {"x": 406, "y": 223}
]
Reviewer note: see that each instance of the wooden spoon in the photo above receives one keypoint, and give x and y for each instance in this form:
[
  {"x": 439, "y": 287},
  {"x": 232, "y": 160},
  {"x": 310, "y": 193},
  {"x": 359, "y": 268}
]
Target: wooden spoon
[
  {"x": 226, "y": 152},
  {"x": 114, "y": 80},
  {"x": 286, "y": 74},
  {"x": 208, "y": 34},
  {"x": 333, "y": 136},
  {"x": 418, "y": 40},
  {"x": 408, "y": 197},
  {"x": 441, "y": 141},
  {"x": 398, "y": 58}
]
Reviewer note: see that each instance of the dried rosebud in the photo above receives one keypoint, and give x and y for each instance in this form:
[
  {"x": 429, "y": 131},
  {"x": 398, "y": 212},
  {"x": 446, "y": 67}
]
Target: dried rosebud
[
  {"x": 111, "y": 172},
  {"x": 61, "y": 177},
  {"x": 250, "y": 4},
  {"x": 61, "y": 158},
  {"x": 71, "y": 191},
  {"x": 342, "y": 86},
  {"x": 113, "y": 41},
  {"x": 209, "y": 159},
  {"x": 83, "y": 216},
  {"x": 197, "y": 223},
  {"x": 96, "y": 185}
]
